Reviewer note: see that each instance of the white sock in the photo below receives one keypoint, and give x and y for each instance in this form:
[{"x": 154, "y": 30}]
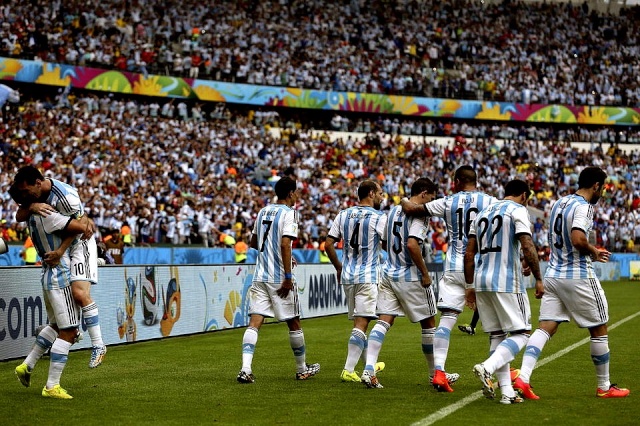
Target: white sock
[
  {"x": 428, "y": 335},
  {"x": 536, "y": 343},
  {"x": 59, "y": 355},
  {"x": 600, "y": 357},
  {"x": 296, "y": 340},
  {"x": 376, "y": 338},
  {"x": 249, "y": 340},
  {"x": 354, "y": 349},
  {"x": 92, "y": 320},
  {"x": 505, "y": 352},
  {"x": 44, "y": 341},
  {"x": 441, "y": 339}
]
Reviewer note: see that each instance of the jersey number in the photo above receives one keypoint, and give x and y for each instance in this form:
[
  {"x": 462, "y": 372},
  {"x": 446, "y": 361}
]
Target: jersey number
[
  {"x": 465, "y": 223},
  {"x": 483, "y": 226},
  {"x": 557, "y": 229},
  {"x": 354, "y": 239},
  {"x": 78, "y": 268},
  {"x": 397, "y": 249},
  {"x": 267, "y": 223}
]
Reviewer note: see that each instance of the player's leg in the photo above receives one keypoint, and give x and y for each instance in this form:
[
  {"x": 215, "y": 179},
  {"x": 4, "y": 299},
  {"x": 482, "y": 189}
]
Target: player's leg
[
  {"x": 249, "y": 341},
  {"x": 67, "y": 317},
  {"x": 450, "y": 304},
  {"x": 376, "y": 339},
  {"x": 471, "y": 327},
  {"x": 362, "y": 308},
  {"x": 84, "y": 272}
]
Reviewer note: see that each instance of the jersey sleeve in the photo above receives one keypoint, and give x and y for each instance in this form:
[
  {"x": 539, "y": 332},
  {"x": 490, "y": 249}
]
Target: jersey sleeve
[
  {"x": 290, "y": 225},
  {"x": 521, "y": 221},
  {"x": 418, "y": 229},
  {"x": 381, "y": 226},
  {"x": 334, "y": 232},
  {"x": 583, "y": 218},
  {"x": 55, "y": 222},
  {"x": 436, "y": 207}
]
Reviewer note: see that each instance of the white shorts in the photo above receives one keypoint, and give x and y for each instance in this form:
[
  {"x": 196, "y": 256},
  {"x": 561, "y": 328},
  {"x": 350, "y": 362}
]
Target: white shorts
[
  {"x": 580, "y": 299},
  {"x": 451, "y": 291},
  {"x": 263, "y": 300},
  {"x": 361, "y": 300},
  {"x": 506, "y": 312},
  {"x": 84, "y": 261},
  {"x": 406, "y": 298},
  {"x": 62, "y": 310}
]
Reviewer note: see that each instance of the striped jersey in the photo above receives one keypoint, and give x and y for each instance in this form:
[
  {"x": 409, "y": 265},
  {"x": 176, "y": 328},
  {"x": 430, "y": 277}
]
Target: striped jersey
[
  {"x": 497, "y": 229},
  {"x": 399, "y": 265},
  {"x": 565, "y": 261},
  {"x": 64, "y": 198},
  {"x": 362, "y": 229},
  {"x": 272, "y": 224},
  {"x": 458, "y": 211},
  {"x": 46, "y": 237}
]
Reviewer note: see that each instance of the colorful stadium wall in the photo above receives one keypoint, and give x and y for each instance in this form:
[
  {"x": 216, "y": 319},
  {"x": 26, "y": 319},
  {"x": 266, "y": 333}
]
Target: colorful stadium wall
[
  {"x": 26, "y": 71},
  {"x": 152, "y": 302}
]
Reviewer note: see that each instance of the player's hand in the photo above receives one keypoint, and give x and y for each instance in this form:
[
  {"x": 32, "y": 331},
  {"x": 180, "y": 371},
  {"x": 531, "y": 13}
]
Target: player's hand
[
  {"x": 43, "y": 209},
  {"x": 52, "y": 258},
  {"x": 603, "y": 256},
  {"x": 539, "y": 289},
  {"x": 285, "y": 288},
  {"x": 90, "y": 227},
  {"x": 426, "y": 281},
  {"x": 470, "y": 298}
]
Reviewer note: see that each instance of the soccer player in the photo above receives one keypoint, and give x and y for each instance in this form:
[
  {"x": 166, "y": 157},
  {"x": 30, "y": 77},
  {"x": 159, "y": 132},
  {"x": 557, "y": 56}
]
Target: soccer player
[
  {"x": 495, "y": 281},
  {"x": 572, "y": 289},
  {"x": 63, "y": 312},
  {"x": 458, "y": 211},
  {"x": 362, "y": 229},
  {"x": 45, "y": 196},
  {"x": 405, "y": 287},
  {"x": 274, "y": 292}
]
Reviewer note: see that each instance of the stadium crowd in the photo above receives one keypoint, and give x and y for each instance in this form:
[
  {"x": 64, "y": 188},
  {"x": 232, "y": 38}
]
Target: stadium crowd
[
  {"x": 176, "y": 179},
  {"x": 512, "y": 51}
]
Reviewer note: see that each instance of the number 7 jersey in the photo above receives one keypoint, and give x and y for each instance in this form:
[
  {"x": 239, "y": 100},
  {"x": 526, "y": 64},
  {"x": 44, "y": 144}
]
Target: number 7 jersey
[
  {"x": 362, "y": 229},
  {"x": 273, "y": 222}
]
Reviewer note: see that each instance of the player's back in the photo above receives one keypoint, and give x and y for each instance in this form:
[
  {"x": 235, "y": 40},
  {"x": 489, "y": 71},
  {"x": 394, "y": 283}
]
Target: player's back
[
  {"x": 272, "y": 223},
  {"x": 565, "y": 261},
  {"x": 498, "y": 266},
  {"x": 399, "y": 265},
  {"x": 46, "y": 237},
  {"x": 362, "y": 229},
  {"x": 458, "y": 211},
  {"x": 65, "y": 199}
]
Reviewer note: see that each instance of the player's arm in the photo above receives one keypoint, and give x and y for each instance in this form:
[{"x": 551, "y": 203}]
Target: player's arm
[
  {"x": 285, "y": 251},
  {"x": 469, "y": 271},
  {"x": 581, "y": 243},
  {"x": 254, "y": 242},
  {"x": 73, "y": 228},
  {"x": 412, "y": 209},
  {"x": 24, "y": 211},
  {"x": 329, "y": 246},
  {"x": 415, "y": 252},
  {"x": 531, "y": 259}
]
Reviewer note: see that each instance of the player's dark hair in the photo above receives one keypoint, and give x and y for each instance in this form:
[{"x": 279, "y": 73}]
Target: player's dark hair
[
  {"x": 15, "y": 194},
  {"x": 284, "y": 187},
  {"x": 28, "y": 175},
  {"x": 516, "y": 187},
  {"x": 365, "y": 188},
  {"x": 466, "y": 175},
  {"x": 421, "y": 185},
  {"x": 590, "y": 176}
]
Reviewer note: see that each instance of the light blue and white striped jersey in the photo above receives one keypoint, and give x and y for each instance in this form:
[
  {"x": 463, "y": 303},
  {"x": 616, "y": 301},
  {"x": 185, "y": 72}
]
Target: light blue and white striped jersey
[
  {"x": 362, "y": 229},
  {"x": 64, "y": 198},
  {"x": 44, "y": 231},
  {"x": 565, "y": 261},
  {"x": 497, "y": 229},
  {"x": 458, "y": 211},
  {"x": 273, "y": 222},
  {"x": 399, "y": 265}
]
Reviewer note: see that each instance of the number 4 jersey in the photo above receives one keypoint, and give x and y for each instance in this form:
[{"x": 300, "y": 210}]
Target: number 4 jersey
[
  {"x": 273, "y": 222},
  {"x": 362, "y": 229}
]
